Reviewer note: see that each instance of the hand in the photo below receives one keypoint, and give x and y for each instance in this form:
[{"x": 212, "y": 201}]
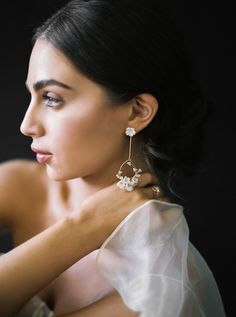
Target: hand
[{"x": 105, "y": 209}]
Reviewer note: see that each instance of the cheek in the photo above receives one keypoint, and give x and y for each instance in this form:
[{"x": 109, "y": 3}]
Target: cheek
[
  {"x": 87, "y": 136},
  {"x": 71, "y": 134}
]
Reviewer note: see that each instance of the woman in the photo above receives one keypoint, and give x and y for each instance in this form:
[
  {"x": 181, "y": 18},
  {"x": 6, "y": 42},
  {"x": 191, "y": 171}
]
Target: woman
[{"x": 112, "y": 103}]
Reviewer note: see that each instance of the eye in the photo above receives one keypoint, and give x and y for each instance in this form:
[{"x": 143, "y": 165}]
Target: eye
[{"x": 51, "y": 100}]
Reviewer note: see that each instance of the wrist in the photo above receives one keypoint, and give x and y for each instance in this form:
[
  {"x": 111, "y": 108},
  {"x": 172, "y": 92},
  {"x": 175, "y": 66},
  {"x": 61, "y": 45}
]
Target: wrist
[{"x": 84, "y": 231}]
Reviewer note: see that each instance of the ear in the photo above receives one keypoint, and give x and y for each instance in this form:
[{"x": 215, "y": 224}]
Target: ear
[{"x": 142, "y": 111}]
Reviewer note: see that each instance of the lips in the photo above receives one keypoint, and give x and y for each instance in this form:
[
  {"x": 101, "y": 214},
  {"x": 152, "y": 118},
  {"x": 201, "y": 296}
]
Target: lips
[{"x": 41, "y": 155}]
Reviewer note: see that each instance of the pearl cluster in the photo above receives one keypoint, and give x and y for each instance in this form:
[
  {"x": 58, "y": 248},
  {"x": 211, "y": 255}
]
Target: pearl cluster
[{"x": 128, "y": 183}]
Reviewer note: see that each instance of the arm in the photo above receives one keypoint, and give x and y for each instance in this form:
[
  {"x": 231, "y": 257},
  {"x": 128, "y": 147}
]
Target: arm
[
  {"x": 27, "y": 269},
  {"x": 30, "y": 267},
  {"x": 109, "y": 306}
]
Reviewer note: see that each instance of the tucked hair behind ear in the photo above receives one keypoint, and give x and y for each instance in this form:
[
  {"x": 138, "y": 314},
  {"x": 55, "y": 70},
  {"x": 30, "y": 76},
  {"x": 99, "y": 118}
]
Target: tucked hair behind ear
[{"x": 131, "y": 47}]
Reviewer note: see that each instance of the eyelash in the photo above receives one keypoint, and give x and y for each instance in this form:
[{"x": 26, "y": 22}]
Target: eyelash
[{"x": 51, "y": 101}]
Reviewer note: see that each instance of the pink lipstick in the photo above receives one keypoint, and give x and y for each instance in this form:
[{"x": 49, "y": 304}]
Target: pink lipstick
[{"x": 42, "y": 156}]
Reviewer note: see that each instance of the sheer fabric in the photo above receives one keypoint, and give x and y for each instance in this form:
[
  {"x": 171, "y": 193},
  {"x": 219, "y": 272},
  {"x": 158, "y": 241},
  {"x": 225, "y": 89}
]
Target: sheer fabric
[
  {"x": 35, "y": 308},
  {"x": 150, "y": 261}
]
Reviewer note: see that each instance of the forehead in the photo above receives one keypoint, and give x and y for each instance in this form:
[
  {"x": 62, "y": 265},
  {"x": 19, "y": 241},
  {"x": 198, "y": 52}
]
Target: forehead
[{"x": 47, "y": 62}]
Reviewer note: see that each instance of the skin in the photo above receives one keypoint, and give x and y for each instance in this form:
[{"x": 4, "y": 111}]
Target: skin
[
  {"x": 41, "y": 259},
  {"x": 73, "y": 121}
]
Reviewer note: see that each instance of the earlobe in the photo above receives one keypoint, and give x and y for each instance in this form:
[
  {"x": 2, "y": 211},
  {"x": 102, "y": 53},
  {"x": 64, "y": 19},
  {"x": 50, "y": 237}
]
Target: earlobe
[{"x": 144, "y": 109}]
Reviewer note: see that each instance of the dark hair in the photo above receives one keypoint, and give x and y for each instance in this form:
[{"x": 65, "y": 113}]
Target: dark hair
[{"x": 131, "y": 47}]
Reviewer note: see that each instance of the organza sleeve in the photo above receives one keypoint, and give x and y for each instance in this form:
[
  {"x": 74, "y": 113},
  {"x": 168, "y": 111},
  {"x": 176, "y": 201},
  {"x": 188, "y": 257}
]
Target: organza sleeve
[{"x": 149, "y": 260}]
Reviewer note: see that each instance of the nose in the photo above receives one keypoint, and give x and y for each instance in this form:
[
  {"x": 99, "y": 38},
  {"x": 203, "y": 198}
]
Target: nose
[{"x": 31, "y": 124}]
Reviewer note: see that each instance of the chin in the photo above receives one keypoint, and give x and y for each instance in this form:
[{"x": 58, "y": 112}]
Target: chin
[
  {"x": 59, "y": 175},
  {"x": 56, "y": 174}
]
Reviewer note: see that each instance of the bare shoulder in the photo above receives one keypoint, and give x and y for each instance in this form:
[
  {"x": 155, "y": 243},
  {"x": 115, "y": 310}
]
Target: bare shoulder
[{"x": 20, "y": 180}]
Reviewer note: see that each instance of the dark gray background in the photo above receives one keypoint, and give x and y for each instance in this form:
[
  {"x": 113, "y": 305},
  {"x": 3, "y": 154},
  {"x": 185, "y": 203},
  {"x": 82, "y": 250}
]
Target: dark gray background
[{"x": 209, "y": 30}]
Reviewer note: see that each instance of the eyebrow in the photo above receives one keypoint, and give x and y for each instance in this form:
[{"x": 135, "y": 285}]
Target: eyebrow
[{"x": 48, "y": 82}]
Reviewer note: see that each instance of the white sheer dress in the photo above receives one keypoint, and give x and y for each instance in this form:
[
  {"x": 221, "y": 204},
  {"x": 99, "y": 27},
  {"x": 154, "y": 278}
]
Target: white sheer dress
[{"x": 150, "y": 261}]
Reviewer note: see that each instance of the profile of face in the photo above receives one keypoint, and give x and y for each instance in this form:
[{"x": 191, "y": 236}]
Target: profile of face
[{"x": 70, "y": 118}]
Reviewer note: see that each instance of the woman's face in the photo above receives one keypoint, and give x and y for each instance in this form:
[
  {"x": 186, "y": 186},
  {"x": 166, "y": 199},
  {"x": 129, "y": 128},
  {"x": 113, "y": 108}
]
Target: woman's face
[{"x": 69, "y": 118}]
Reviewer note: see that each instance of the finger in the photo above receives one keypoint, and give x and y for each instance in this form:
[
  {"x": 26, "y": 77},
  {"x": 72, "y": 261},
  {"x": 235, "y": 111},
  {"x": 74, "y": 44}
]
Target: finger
[{"x": 152, "y": 192}]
